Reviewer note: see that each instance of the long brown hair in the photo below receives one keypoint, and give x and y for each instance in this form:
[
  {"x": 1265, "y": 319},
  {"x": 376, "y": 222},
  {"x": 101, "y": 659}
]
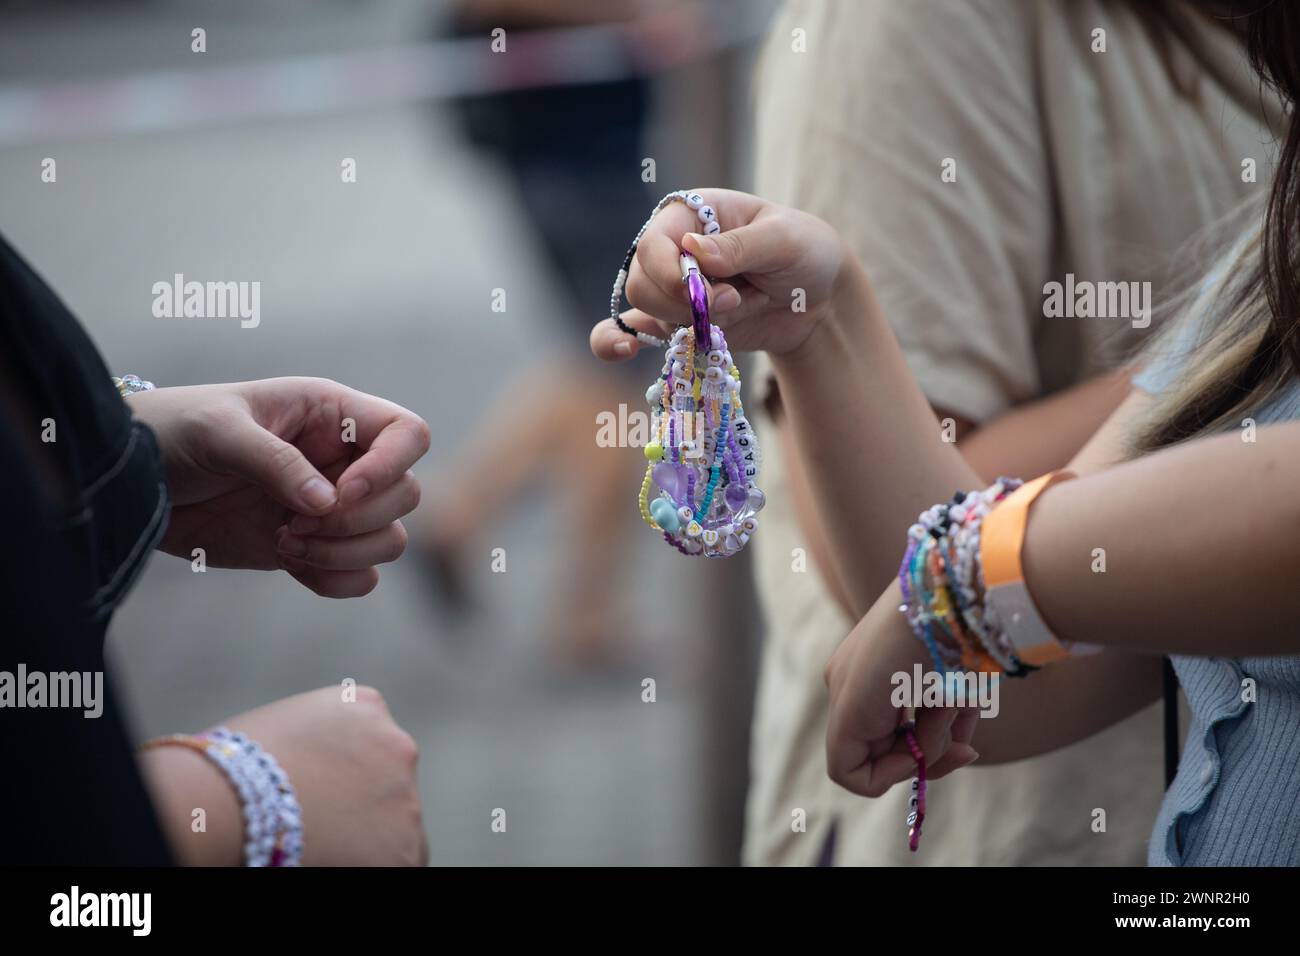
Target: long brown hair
[{"x": 1252, "y": 352}]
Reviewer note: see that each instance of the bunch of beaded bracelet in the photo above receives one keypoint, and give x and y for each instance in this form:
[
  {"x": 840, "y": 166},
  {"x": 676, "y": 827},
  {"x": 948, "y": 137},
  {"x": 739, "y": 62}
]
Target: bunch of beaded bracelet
[
  {"x": 942, "y": 588},
  {"x": 943, "y": 604},
  {"x": 965, "y": 598},
  {"x": 698, "y": 491},
  {"x": 269, "y": 807}
]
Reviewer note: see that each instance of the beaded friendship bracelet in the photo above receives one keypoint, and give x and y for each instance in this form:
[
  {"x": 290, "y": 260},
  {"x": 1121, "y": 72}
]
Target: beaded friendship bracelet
[
  {"x": 698, "y": 491},
  {"x": 916, "y": 802},
  {"x": 953, "y": 611},
  {"x": 942, "y": 585},
  {"x": 708, "y": 217},
  {"x": 269, "y": 806}
]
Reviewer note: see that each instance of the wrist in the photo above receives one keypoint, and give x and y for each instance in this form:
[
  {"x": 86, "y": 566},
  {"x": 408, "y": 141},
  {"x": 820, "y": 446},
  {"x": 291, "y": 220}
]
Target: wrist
[
  {"x": 196, "y": 806},
  {"x": 841, "y": 325}
]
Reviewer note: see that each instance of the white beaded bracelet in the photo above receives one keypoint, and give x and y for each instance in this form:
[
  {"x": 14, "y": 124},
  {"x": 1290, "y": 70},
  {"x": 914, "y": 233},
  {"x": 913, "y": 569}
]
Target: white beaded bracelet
[{"x": 708, "y": 218}]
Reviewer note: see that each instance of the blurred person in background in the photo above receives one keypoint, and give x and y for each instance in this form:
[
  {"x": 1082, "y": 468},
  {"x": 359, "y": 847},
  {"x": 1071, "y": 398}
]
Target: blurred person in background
[
  {"x": 970, "y": 153},
  {"x": 256, "y": 475},
  {"x": 574, "y": 153}
]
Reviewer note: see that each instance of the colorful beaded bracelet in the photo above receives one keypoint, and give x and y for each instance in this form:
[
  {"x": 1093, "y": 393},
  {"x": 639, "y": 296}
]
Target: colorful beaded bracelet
[{"x": 699, "y": 488}]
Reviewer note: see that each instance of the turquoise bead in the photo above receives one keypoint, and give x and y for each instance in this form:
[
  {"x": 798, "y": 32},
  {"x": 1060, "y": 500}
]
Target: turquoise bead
[{"x": 665, "y": 515}]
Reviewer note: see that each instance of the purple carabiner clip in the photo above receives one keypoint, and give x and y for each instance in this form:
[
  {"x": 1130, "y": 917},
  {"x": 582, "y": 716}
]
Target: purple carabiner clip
[{"x": 698, "y": 292}]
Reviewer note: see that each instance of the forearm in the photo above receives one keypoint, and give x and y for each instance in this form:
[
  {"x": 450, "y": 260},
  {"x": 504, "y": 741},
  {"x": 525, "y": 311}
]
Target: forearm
[
  {"x": 1041, "y": 436},
  {"x": 1065, "y": 703},
  {"x": 1198, "y": 543},
  {"x": 867, "y": 439},
  {"x": 1027, "y": 441}
]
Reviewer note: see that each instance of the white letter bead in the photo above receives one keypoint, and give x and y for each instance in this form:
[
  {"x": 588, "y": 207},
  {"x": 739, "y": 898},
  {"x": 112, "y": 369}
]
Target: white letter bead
[
  {"x": 694, "y": 200},
  {"x": 712, "y": 228},
  {"x": 706, "y": 214}
]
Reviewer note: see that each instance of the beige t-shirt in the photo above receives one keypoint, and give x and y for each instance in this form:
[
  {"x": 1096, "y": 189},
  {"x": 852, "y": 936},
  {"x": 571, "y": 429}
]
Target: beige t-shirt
[{"x": 1068, "y": 160}]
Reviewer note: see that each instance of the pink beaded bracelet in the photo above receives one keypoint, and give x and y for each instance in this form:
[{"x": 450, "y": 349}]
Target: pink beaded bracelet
[{"x": 916, "y": 803}]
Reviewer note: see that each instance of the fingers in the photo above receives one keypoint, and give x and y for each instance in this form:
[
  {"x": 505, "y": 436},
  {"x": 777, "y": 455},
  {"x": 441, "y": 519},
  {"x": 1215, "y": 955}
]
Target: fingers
[
  {"x": 245, "y": 448},
  {"x": 332, "y": 584},
  {"x": 355, "y": 553},
  {"x": 958, "y": 756},
  {"x": 943, "y": 735},
  {"x": 655, "y": 282},
  {"x": 934, "y": 731},
  {"x": 612, "y": 344},
  {"x": 960, "y": 753},
  {"x": 394, "y": 439},
  {"x": 762, "y": 246},
  {"x": 874, "y": 779},
  {"x": 370, "y": 514}
]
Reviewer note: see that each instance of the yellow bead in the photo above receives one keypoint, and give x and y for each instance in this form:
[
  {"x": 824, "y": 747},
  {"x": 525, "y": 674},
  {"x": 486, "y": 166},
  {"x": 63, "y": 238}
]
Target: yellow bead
[{"x": 654, "y": 451}]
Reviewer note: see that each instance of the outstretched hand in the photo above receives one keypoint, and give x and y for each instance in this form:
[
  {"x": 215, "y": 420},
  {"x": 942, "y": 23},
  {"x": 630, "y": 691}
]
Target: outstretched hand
[{"x": 302, "y": 474}]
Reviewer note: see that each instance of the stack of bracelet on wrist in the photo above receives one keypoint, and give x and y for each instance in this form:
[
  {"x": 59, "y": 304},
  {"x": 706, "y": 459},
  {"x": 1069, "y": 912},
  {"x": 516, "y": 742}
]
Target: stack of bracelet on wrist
[
  {"x": 943, "y": 597},
  {"x": 703, "y": 456},
  {"x": 963, "y": 586},
  {"x": 965, "y": 599},
  {"x": 269, "y": 807}
]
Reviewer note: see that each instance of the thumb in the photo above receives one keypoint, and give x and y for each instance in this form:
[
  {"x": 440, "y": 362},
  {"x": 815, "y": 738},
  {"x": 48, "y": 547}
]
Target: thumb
[
  {"x": 759, "y": 247},
  {"x": 280, "y": 469}
]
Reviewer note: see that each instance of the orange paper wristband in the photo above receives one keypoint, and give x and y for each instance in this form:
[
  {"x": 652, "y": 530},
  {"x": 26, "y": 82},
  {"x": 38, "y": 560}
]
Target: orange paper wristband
[{"x": 1002, "y": 537}]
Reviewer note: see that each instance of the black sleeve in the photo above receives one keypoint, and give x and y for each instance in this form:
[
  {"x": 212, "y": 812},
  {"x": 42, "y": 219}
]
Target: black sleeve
[
  {"x": 78, "y": 516},
  {"x": 71, "y": 792}
]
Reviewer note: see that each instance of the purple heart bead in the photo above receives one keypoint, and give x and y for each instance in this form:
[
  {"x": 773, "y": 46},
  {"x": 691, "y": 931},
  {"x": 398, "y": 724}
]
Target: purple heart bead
[
  {"x": 667, "y": 478},
  {"x": 737, "y": 495}
]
